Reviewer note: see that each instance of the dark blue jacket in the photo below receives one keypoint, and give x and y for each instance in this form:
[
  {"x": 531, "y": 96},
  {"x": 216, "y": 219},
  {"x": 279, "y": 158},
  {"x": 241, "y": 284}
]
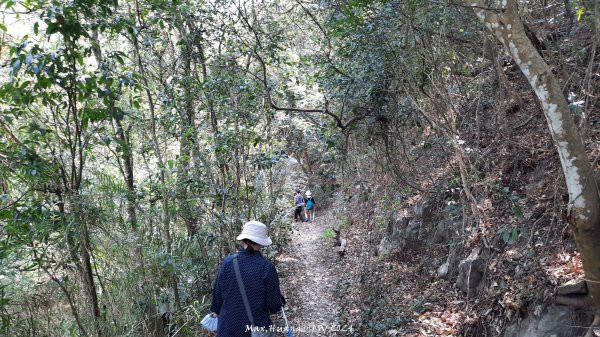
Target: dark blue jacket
[{"x": 262, "y": 289}]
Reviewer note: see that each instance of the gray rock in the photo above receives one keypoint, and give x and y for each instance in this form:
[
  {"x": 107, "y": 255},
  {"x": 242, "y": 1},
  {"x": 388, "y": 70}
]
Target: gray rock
[
  {"x": 553, "y": 320},
  {"x": 412, "y": 230},
  {"x": 470, "y": 272},
  {"x": 453, "y": 260},
  {"x": 573, "y": 287},
  {"x": 418, "y": 209},
  {"x": 388, "y": 247},
  {"x": 442, "y": 233},
  {"x": 443, "y": 270},
  {"x": 396, "y": 226},
  {"x": 394, "y": 239},
  {"x": 424, "y": 211}
]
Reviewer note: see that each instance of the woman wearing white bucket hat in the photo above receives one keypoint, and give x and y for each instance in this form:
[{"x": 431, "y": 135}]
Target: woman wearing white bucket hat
[
  {"x": 255, "y": 231},
  {"x": 259, "y": 280}
]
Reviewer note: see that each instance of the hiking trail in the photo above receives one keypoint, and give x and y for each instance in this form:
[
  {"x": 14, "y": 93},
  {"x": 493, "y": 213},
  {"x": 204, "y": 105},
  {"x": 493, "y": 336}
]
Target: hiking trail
[{"x": 309, "y": 281}]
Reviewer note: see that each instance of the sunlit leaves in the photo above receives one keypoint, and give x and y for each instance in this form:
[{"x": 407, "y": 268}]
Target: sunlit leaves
[{"x": 8, "y": 4}]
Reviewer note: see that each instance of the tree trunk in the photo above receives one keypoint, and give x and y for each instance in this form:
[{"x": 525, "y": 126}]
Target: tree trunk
[
  {"x": 188, "y": 135},
  {"x": 88, "y": 277},
  {"x": 220, "y": 185},
  {"x": 173, "y": 282},
  {"x": 584, "y": 199},
  {"x": 129, "y": 178},
  {"x": 151, "y": 326},
  {"x": 76, "y": 144}
]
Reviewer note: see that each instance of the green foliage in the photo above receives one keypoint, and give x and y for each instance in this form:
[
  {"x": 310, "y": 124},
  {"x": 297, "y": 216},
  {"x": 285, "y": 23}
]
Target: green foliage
[
  {"x": 514, "y": 199},
  {"x": 268, "y": 160},
  {"x": 453, "y": 208},
  {"x": 328, "y": 233},
  {"x": 382, "y": 222},
  {"x": 145, "y": 134},
  {"x": 5, "y": 316},
  {"x": 579, "y": 11},
  {"x": 509, "y": 234}
]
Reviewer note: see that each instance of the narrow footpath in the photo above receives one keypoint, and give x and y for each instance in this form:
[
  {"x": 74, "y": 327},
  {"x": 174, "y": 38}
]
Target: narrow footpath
[{"x": 309, "y": 282}]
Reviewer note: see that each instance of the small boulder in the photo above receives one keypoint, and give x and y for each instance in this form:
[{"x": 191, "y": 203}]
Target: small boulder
[
  {"x": 573, "y": 287},
  {"x": 341, "y": 250},
  {"x": 424, "y": 211},
  {"x": 387, "y": 247},
  {"x": 394, "y": 239},
  {"x": 442, "y": 233},
  {"x": 453, "y": 261},
  {"x": 552, "y": 320},
  {"x": 442, "y": 271},
  {"x": 470, "y": 272},
  {"x": 412, "y": 230}
]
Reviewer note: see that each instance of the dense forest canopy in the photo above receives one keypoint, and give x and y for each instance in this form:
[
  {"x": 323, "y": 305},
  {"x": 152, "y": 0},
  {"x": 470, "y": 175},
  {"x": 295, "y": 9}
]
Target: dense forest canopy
[{"x": 138, "y": 136}]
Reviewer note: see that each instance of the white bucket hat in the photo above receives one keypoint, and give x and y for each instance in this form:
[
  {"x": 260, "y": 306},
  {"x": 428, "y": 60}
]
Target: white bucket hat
[
  {"x": 256, "y": 232},
  {"x": 308, "y": 194}
]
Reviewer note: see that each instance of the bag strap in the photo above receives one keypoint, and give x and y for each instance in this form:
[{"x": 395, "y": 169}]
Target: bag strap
[{"x": 240, "y": 283}]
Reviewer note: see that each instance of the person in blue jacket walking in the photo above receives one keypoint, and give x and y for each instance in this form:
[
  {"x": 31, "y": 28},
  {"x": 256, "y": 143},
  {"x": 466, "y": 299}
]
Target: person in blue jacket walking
[
  {"x": 261, "y": 282},
  {"x": 309, "y": 203}
]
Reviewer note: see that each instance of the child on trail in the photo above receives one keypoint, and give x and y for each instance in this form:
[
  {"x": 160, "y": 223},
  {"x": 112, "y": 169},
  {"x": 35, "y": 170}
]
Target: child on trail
[
  {"x": 309, "y": 203},
  {"x": 299, "y": 202}
]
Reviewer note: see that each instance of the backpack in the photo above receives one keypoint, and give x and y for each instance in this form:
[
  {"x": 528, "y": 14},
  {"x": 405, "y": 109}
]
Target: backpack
[
  {"x": 309, "y": 203},
  {"x": 298, "y": 199}
]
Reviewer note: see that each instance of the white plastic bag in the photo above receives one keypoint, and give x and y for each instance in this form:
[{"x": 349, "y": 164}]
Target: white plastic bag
[{"x": 210, "y": 322}]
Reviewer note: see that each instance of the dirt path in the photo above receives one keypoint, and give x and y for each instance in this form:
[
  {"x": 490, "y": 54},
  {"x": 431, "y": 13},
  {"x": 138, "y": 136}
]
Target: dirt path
[{"x": 309, "y": 282}]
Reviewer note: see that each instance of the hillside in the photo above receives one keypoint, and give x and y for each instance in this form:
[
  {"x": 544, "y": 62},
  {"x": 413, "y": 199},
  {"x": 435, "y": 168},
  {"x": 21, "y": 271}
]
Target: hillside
[{"x": 401, "y": 272}]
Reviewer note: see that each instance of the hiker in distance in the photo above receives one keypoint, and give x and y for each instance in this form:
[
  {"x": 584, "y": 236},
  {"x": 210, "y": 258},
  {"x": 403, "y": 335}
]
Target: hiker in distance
[
  {"x": 247, "y": 296},
  {"x": 309, "y": 204},
  {"x": 299, "y": 204}
]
